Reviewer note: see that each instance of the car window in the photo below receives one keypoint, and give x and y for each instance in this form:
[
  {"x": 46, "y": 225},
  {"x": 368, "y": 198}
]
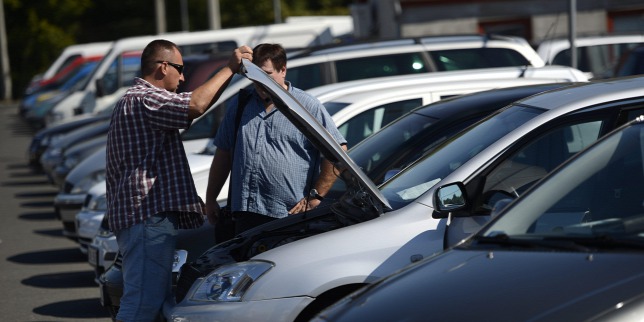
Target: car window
[
  {"x": 597, "y": 194},
  {"x": 121, "y": 73},
  {"x": 446, "y": 158},
  {"x": 380, "y": 66},
  {"x": 369, "y": 122},
  {"x": 460, "y": 59},
  {"x": 512, "y": 177},
  {"x": 67, "y": 62},
  {"x": 306, "y": 77},
  {"x": 599, "y": 60},
  {"x": 334, "y": 107},
  {"x": 208, "y": 48}
]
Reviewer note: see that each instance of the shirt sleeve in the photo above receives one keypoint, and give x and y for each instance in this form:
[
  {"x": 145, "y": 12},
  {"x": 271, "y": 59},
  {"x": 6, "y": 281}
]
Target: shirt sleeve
[{"x": 168, "y": 111}]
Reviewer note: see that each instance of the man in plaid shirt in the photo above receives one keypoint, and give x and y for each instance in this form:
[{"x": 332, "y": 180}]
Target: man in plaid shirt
[{"x": 150, "y": 191}]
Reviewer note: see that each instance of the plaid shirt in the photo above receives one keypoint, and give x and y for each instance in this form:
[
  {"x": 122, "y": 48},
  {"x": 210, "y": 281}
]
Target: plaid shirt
[{"x": 147, "y": 169}]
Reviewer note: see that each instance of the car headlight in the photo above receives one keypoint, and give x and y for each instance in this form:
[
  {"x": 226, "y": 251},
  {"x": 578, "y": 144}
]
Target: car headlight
[
  {"x": 54, "y": 152},
  {"x": 71, "y": 161},
  {"x": 228, "y": 283},
  {"x": 98, "y": 203},
  {"x": 88, "y": 182},
  {"x": 53, "y": 116}
]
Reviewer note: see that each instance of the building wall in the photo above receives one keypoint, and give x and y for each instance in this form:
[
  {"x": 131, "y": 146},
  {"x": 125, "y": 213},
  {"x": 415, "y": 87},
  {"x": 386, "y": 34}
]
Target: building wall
[{"x": 531, "y": 19}]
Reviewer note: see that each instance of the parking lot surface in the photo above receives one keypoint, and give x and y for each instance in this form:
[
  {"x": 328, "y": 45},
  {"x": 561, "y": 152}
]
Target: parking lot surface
[{"x": 43, "y": 275}]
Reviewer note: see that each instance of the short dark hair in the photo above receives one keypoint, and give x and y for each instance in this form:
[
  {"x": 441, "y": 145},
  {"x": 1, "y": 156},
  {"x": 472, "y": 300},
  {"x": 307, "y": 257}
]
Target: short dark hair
[
  {"x": 273, "y": 52},
  {"x": 152, "y": 52}
]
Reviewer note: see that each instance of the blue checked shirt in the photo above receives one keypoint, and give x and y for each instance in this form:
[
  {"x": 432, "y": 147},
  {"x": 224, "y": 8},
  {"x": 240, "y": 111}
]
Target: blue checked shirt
[
  {"x": 274, "y": 164},
  {"x": 147, "y": 170}
]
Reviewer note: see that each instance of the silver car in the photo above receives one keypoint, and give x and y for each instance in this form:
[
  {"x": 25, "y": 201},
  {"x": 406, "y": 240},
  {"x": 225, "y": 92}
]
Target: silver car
[{"x": 572, "y": 249}]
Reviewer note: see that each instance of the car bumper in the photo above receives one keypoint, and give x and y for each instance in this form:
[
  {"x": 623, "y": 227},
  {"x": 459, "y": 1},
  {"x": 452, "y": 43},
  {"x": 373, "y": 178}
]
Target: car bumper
[
  {"x": 102, "y": 253},
  {"x": 87, "y": 225},
  {"x": 68, "y": 205},
  {"x": 283, "y": 309},
  {"x": 59, "y": 174}
]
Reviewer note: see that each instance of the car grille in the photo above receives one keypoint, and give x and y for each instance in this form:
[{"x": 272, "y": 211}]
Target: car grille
[{"x": 188, "y": 276}]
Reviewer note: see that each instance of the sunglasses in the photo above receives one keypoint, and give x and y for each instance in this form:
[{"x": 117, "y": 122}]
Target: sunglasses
[{"x": 178, "y": 67}]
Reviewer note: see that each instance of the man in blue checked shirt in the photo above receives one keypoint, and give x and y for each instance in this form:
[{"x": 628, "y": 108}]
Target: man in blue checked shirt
[
  {"x": 275, "y": 171},
  {"x": 150, "y": 192}
]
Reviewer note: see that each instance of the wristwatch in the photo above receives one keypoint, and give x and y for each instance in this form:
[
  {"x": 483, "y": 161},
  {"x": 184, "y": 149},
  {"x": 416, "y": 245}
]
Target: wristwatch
[{"x": 314, "y": 194}]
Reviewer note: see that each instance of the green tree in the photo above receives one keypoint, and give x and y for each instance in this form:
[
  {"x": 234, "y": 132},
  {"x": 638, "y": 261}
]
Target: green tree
[{"x": 37, "y": 32}]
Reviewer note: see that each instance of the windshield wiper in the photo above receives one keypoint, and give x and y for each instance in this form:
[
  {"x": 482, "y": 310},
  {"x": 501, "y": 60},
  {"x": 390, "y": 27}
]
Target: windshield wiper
[{"x": 535, "y": 242}]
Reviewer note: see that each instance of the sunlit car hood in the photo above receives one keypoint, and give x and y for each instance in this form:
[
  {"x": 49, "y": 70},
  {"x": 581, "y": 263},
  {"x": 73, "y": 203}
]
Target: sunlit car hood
[{"x": 312, "y": 129}]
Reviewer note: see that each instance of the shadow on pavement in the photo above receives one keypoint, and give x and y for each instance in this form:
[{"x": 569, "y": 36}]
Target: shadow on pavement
[
  {"x": 36, "y": 194},
  {"x": 51, "y": 232},
  {"x": 17, "y": 166},
  {"x": 37, "y": 204},
  {"x": 25, "y": 183},
  {"x": 37, "y": 216},
  {"x": 85, "y": 308},
  {"x": 63, "y": 280},
  {"x": 19, "y": 127},
  {"x": 58, "y": 256}
]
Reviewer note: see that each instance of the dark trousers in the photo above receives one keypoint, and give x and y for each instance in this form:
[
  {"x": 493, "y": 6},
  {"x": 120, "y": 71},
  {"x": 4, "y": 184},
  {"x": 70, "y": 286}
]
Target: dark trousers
[{"x": 245, "y": 220}]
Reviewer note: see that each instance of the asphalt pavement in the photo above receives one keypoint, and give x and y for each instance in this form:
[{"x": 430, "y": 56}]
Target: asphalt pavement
[{"x": 43, "y": 275}]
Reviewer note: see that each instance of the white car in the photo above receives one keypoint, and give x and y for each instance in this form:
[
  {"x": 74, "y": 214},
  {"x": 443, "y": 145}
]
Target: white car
[
  {"x": 109, "y": 75},
  {"x": 362, "y": 107},
  {"x": 88, "y": 220},
  {"x": 375, "y": 232},
  {"x": 597, "y": 56}
]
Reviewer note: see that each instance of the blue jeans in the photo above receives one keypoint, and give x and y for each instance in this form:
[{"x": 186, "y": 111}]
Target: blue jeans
[{"x": 148, "y": 254}]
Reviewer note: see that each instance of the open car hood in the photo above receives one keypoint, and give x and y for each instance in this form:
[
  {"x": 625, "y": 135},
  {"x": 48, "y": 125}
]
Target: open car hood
[{"x": 314, "y": 131}]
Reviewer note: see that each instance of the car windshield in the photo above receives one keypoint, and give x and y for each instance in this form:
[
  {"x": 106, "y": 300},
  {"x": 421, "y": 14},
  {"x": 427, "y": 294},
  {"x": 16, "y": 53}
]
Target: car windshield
[
  {"x": 433, "y": 167},
  {"x": 391, "y": 139},
  {"x": 593, "y": 202}
]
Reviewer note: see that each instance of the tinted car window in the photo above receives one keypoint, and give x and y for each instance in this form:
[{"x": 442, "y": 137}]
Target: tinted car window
[
  {"x": 380, "y": 66},
  {"x": 445, "y": 159},
  {"x": 130, "y": 67},
  {"x": 600, "y": 60},
  {"x": 397, "y": 135},
  {"x": 334, "y": 107},
  {"x": 366, "y": 123},
  {"x": 596, "y": 195},
  {"x": 208, "y": 48},
  {"x": 459, "y": 59},
  {"x": 520, "y": 170},
  {"x": 305, "y": 77}
]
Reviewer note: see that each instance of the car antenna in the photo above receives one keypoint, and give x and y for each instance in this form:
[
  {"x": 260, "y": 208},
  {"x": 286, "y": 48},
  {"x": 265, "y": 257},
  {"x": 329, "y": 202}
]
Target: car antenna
[
  {"x": 550, "y": 35},
  {"x": 547, "y": 37}
]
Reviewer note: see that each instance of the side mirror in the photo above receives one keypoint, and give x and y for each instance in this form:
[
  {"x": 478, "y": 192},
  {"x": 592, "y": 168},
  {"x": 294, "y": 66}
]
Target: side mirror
[
  {"x": 449, "y": 198},
  {"x": 100, "y": 88}
]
